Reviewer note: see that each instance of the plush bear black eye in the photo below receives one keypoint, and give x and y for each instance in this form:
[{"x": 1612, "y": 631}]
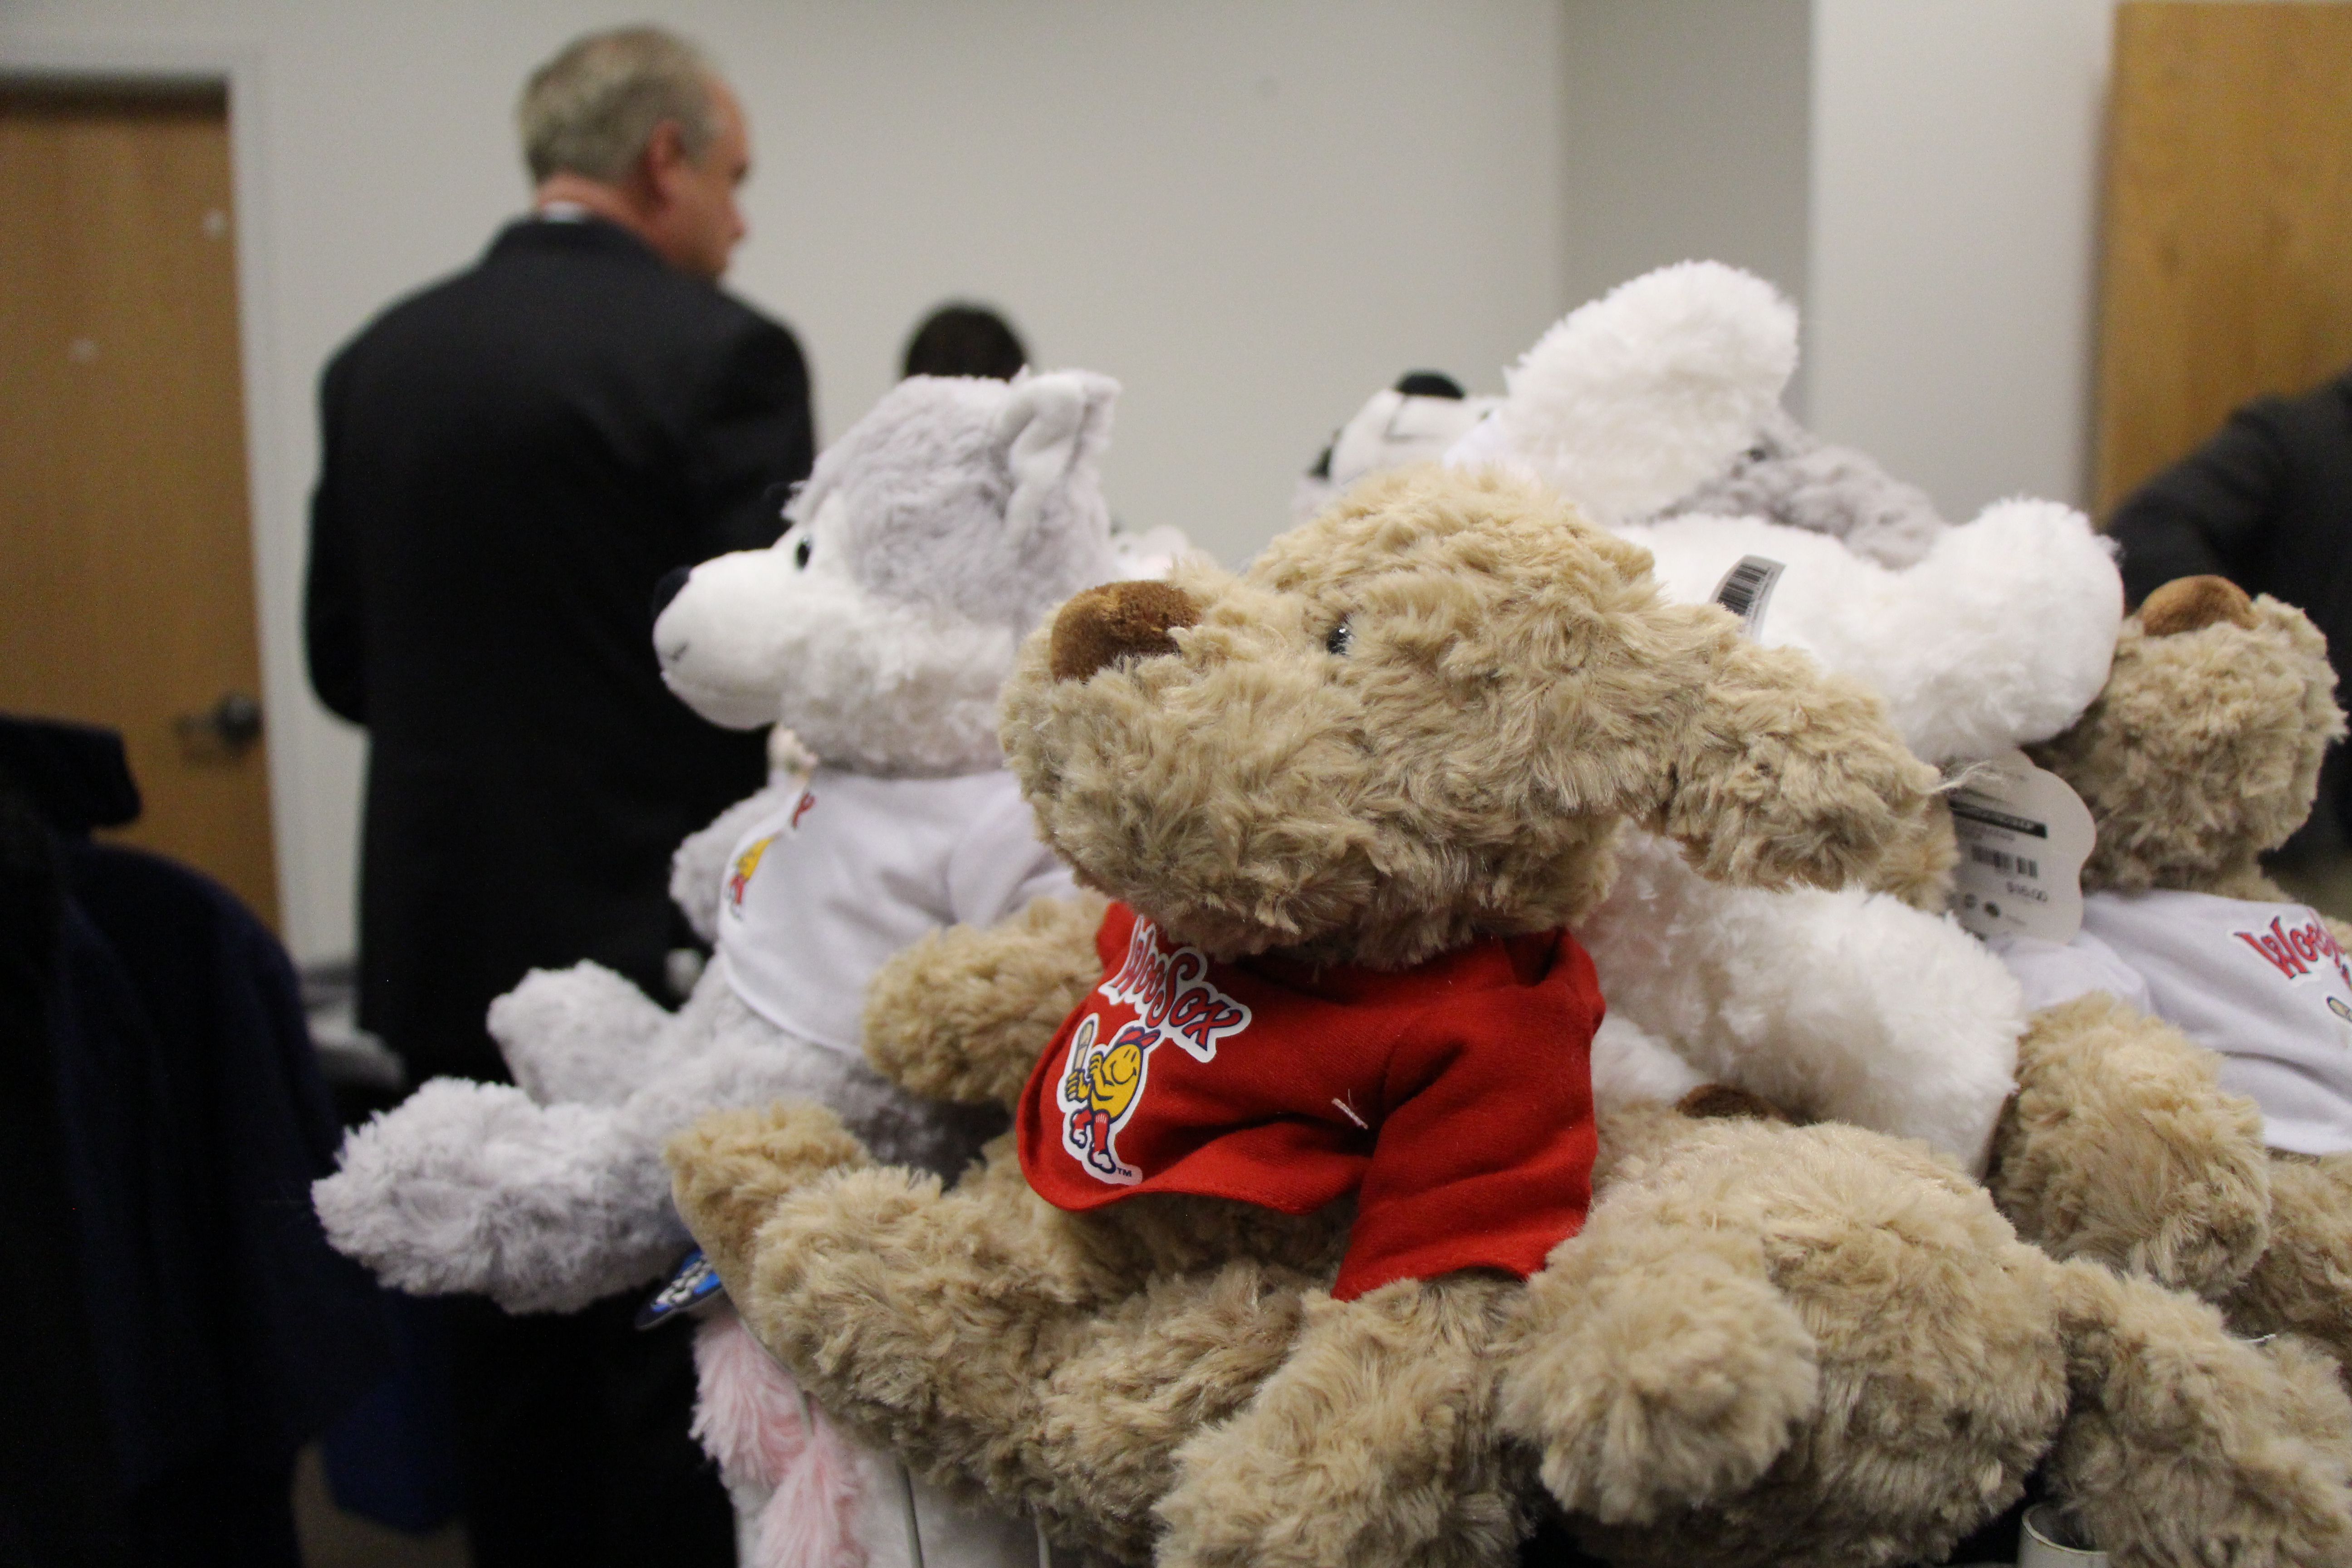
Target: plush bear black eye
[
  {"x": 1341, "y": 639},
  {"x": 801, "y": 553}
]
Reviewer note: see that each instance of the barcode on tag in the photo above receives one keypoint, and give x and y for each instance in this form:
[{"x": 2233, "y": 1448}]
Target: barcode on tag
[
  {"x": 2006, "y": 864},
  {"x": 1745, "y": 588}
]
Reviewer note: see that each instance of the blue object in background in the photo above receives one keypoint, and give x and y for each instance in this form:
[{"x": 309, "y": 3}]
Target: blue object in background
[{"x": 394, "y": 1456}]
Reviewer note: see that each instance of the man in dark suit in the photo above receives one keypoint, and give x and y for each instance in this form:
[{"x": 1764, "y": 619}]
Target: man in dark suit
[{"x": 512, "y": 461}]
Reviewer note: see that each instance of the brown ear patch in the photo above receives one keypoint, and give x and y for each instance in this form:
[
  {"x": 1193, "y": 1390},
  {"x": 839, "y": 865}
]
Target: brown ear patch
[
  {"x": 1710, "y": 1101},
  {"x": 1117, "y": 620},
  {"x": 2192, "y": 603}
]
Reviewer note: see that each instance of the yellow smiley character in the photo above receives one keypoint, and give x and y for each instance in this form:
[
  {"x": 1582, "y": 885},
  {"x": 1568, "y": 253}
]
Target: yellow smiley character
[
  {"x": 739, "y": 877},
  {"x": 1117, "y": 1073},
  {"x": 1100, "y": 1089},
  {"x": 1104, "y": 1082}
]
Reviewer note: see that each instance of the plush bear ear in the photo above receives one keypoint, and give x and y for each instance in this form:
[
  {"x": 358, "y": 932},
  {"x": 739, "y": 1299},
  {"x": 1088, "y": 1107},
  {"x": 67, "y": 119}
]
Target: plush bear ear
[
  {"x": 1790, "y": 774},
  {"x": 1639, "y": 396},
  {"x": 1052, "y": 427}
]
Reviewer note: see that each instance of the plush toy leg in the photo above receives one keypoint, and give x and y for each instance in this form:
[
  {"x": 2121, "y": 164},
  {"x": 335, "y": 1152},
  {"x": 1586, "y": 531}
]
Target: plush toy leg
[
  {"x": 1654, "y": 1367},
  {"x": 2187, "y": 1447},
  {"x": 2121, "y": 1146},
  {"x": 928, "y": 1321},
  {"x": 1373, "y": 1444},
  {"x": 582, "y": 1034},
  {"x": 798, "y": 1489},
  {"x": 982, "y": 1337},
  {"x": 733, "y": 1167},
  {"x": 2304, "y": 1283}
]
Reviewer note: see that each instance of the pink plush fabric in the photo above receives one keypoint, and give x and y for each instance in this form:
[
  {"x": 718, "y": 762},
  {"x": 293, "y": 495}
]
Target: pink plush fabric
[{"x": 752, "y": 1419}]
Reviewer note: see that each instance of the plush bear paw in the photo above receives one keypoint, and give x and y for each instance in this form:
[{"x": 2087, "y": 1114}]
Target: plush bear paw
[
  {"x": 962, "y": 1014},
  {"x": 730, "y": 1168},
  {"x": 2185, "y": 1444},
  {"x": 1654, "y": 1378},
  {"x": 470, "y": 1187},
  {"x": 2121, "y": 1147},
  {"x": 582, "y": 1034},
  {"x": 2304, "y": 1282},
  {"x": 1372, "y": 1445}
]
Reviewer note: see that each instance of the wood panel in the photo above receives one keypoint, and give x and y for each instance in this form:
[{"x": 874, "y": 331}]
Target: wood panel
[
  {"x": 2227, "y": 265},
  {"x": 126, "y": 553}
]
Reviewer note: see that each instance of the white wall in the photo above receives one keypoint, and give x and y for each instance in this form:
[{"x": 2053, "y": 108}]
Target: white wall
[
  {"x": 1954, "y": 242},
  {"x": 1687, "y": 137},
  {"x": 1921, "y": 175},
  {"x": 1251, "y": 213}
]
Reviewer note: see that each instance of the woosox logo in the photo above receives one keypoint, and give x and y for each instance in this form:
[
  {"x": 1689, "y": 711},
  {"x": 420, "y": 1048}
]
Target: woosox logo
[
  {"x": 1172, "y": 996},
  {"x": 2296, "y": 950},
  {"x": 1170, "y": 999}
]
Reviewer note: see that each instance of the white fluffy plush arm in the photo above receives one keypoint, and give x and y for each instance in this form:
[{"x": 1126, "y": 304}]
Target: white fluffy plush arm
[
  {"x": 580, "y": 1034},
  {"x": 1844, "y": 1005},
  {"x": 471, "y": 1188},
  {"x": 1633, "y": 1066}
]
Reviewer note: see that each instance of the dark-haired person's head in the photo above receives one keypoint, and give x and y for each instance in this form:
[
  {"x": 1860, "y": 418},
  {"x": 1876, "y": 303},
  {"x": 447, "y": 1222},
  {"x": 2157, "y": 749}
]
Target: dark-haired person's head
[{"x": 965, "y": 340}]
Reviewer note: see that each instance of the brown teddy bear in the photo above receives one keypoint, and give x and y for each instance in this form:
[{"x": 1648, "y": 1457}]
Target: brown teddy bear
[
  {"x": 1280, "y": 1322},
  {"x": 2202, "y": 752}
]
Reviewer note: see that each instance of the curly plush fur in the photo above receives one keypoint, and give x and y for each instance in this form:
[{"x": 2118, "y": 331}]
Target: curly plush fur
[
  {"x": 1529, "y": 691},
  {"x": 2203, "y": 751},
  {"x": 1769, "y": 1343},
  {"x": 1992, "y": 633}
]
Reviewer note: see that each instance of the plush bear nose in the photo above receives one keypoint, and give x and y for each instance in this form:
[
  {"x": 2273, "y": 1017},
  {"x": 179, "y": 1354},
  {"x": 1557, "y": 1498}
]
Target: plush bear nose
[
  {"x": 2192, "y": 603},
  {"x": 1117, "y": 620}
]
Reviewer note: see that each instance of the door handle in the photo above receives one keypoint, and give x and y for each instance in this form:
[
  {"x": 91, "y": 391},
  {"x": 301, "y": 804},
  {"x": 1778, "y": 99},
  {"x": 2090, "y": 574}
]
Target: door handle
[{"x": 225, "y": 729}]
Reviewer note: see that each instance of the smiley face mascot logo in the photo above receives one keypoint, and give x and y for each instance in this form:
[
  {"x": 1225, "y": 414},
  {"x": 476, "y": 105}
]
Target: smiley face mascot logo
[
  {"x": 1099, "y": 1093},
  {"x": 738, "y": 876}
]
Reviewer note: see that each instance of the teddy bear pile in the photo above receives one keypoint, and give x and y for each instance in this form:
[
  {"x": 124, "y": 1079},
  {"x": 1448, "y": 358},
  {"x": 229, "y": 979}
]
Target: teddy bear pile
[
  {"x": 1402, "y": 903},
  {"x": 1143, "y": 1319}
]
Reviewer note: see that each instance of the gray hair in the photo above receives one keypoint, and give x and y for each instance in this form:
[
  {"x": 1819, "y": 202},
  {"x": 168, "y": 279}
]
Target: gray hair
[{"x": 592, "y": 108}]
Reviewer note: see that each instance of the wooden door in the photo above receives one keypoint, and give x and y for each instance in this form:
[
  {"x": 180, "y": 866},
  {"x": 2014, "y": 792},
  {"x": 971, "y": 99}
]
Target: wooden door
[
  {"x": 2228, "y": 252},
  {"x": 126, "y": 554}
]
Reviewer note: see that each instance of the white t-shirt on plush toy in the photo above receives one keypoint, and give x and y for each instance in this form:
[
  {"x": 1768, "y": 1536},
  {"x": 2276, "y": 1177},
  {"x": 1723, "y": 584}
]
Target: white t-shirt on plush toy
[
  {"x": 801, "y": 929},
  {"x": 2264, "y": 985}
]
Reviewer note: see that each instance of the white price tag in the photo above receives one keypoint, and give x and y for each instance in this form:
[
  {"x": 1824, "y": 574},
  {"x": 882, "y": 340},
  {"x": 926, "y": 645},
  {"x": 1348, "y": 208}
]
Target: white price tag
[{"x": 2024, "y": 834}]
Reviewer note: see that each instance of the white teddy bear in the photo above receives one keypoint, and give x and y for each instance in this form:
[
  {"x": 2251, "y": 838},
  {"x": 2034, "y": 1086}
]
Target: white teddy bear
[
  {"x": 1846, "y": 1005},
  {"x": 928, "y": 540}
]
